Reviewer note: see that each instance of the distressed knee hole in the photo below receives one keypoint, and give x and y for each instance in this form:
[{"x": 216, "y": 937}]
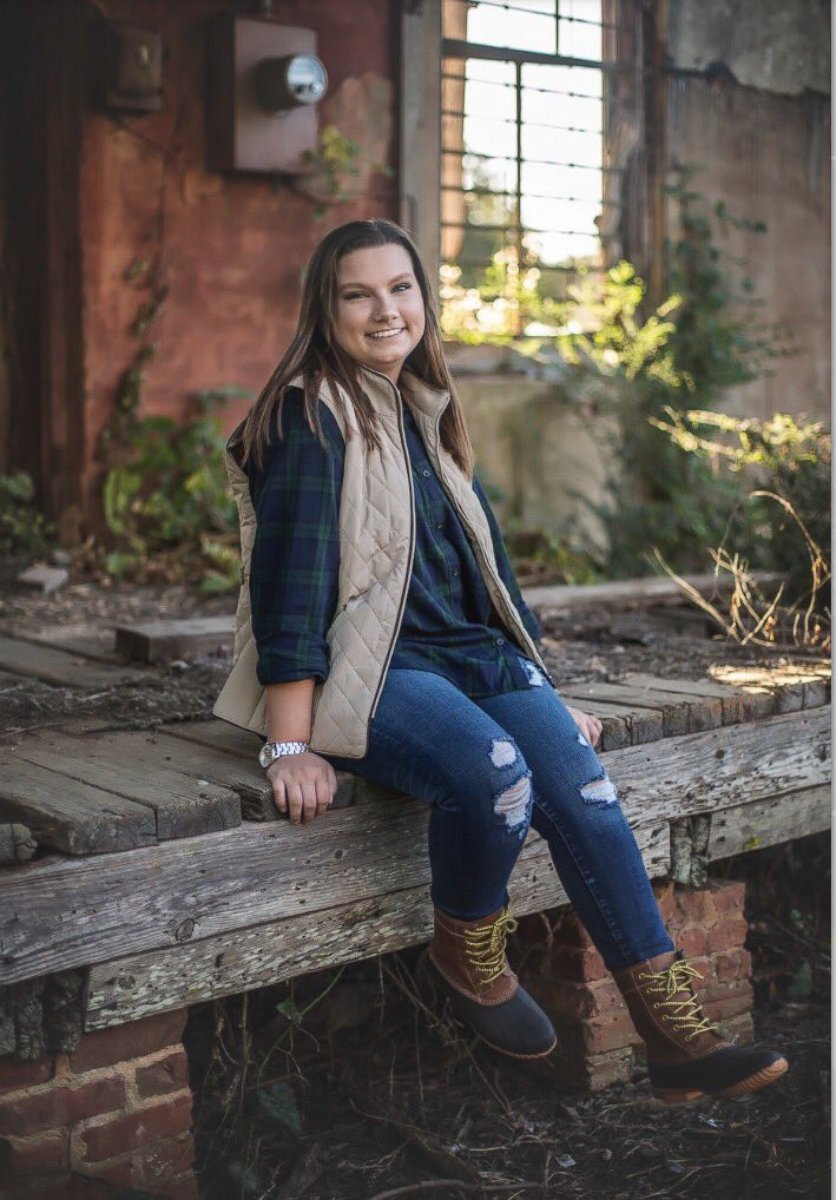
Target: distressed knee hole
[
  {"x": 600, "y": 791},
  {"x": 503, "y": 752},
  {"x": 514, "y": 804},
  {"x": 581, "y": 739},
  {"x": 535, "y": 676}
]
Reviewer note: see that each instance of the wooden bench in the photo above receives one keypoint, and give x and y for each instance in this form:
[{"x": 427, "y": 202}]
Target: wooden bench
[{"x": 169, "y": 880}]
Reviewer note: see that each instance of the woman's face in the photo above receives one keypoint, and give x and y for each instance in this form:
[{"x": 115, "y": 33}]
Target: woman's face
[{"x": 379, "y": 317}]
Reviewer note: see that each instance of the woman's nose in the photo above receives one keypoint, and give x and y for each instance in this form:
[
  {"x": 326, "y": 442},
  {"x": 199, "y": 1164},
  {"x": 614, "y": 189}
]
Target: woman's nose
[{"x": 384, "y": 307}]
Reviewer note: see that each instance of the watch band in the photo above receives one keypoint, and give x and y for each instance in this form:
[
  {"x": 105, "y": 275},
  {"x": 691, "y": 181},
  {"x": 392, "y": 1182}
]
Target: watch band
[{"x": 270, "y": 751}]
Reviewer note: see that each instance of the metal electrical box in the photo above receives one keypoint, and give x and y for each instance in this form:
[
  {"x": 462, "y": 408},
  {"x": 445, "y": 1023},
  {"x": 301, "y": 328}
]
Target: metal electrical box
[{"x": 243, "y": 134}]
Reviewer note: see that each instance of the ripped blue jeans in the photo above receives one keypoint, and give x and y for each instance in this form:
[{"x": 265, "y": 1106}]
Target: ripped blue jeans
[{"x": 490, "y": 768}]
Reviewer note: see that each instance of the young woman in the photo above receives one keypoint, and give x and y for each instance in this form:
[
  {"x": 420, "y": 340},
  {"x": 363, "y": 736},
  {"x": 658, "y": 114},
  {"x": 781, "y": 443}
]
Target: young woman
[{"x": 381, "y": 630}]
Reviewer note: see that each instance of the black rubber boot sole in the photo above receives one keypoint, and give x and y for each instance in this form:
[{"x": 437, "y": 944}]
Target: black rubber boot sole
[
  {"x": 730, "y": 1072},
  {"x": 517, "y": 1028}
]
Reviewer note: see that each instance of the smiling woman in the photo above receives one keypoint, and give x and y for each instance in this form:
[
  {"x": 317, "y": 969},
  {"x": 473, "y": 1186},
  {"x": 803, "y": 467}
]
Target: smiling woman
[{"x": 381, "y": 631}]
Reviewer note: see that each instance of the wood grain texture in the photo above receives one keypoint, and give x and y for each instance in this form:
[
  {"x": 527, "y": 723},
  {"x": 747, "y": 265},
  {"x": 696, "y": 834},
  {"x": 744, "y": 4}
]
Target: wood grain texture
[
  {"x": 201, "y": 887},
  {"x": 128, "y": 765},
  {"x": 73, "y": 817},
  {"x": 769, "y": 822},
  {"x": 229, "y": 963},
  {"x": 162, "y": 641},
  {"x": 38, "y": 661}
]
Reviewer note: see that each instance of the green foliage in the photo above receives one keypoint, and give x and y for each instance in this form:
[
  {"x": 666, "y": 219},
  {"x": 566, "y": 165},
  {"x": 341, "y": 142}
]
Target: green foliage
[
  {"x": 685, "y": 355},
  {"x": 166, "y": 499},
  {"x": 23, "y": 529},
  {"x": 791, "y": 460}
]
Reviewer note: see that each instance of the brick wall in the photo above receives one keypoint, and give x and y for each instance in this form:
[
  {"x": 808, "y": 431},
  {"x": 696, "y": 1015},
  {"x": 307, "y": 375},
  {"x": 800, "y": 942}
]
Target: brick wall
[
  {"x": 118, "y": 1109},
  {"x": 566, "y": 974}
]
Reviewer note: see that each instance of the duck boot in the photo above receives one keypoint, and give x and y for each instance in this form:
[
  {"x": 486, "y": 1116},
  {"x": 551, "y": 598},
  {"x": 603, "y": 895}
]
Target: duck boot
[
  {"x": 687, "y": 1056},
  {"x": 466, "y": 960}
]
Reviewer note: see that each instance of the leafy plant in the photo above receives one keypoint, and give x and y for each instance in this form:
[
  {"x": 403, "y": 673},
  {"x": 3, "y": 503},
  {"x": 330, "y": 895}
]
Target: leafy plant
[
  {"x": 166, "y": 500},
  {"x": 23, "y": 529}
]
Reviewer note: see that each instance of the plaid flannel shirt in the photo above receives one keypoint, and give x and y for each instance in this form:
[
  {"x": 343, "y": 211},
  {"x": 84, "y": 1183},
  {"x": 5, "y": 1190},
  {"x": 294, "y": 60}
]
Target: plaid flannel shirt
[{"x": 449, "y": 623}]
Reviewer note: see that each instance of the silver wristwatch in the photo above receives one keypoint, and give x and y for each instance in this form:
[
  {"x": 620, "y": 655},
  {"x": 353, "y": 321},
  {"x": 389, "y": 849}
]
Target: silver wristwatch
[{"x": 270, "y": 751}]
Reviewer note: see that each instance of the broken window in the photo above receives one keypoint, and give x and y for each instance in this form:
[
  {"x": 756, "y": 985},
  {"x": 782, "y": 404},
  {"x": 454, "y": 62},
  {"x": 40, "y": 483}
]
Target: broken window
[{"x": 530, "y": 188}]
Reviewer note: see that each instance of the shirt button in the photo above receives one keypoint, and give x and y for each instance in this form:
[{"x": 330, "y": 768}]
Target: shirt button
[
  {"x": 426, "y": 472},
  {"x": 500, "y": 641},
  {"x": 439, "y": 524},
  {"x": 455, "y": 570}
]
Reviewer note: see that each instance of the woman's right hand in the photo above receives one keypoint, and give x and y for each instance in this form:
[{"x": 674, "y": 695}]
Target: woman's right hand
[{"x": 304, "y": 786}]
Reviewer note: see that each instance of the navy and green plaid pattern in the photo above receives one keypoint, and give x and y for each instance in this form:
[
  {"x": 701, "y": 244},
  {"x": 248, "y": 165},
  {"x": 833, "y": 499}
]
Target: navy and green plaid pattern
[{"x": 449, "y": 625}]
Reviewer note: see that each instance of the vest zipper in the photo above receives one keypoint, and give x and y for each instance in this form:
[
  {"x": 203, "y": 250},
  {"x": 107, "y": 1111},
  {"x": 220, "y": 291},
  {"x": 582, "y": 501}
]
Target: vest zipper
[
  {"x": 411, "y": 558},
  {"x": 481, "y": 558}
]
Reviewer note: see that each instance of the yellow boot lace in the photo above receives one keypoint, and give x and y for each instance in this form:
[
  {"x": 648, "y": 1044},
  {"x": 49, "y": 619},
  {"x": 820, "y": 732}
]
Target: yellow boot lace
[
  {"x": 484, "y": 949},
  {"x": 675, "y": 983}
]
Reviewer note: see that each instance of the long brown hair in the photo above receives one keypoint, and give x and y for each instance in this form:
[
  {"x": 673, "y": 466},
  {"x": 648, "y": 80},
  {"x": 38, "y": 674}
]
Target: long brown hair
[{"x": 315, "y": 354}]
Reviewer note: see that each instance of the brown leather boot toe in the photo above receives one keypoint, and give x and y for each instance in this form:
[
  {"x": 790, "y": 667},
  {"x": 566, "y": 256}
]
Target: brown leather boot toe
[{"x": 687, "y": 1056}]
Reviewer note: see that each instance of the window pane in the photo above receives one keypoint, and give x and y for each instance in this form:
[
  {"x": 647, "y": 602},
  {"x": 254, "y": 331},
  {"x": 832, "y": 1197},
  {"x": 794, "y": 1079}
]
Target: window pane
[
  {"x": 579, "y": 31},
  {"x": 517, "y": 24},
  {"x": 561, "y": 146}
]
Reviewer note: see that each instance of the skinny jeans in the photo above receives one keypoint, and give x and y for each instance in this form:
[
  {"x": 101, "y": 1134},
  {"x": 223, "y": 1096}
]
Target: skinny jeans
[{"x": 492, "y": 767}]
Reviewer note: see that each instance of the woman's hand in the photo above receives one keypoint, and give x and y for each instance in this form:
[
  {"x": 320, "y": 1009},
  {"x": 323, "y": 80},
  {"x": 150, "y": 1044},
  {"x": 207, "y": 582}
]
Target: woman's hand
[
  {"x": 304, "y": 786},
  {"x": 590, "y": 727}
]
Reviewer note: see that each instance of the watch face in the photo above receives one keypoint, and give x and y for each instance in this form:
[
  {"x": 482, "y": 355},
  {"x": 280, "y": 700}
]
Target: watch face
[{"x": 266, "y": 755}]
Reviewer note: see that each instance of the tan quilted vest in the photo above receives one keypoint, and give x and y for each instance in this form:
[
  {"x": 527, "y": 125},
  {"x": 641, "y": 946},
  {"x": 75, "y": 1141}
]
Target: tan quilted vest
[{"x": 377, "y": 543}]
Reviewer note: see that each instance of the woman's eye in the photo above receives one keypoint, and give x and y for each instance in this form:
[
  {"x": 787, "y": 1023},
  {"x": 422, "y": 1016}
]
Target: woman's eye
[
  {"x": 402, "y": 287},
  {"x": 353, "y": 296}
]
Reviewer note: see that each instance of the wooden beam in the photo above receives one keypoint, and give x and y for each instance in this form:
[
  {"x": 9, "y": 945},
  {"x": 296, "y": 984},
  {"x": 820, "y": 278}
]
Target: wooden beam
[
  {"x": 135, "y": 986},
  {"x": 769, "y": 822},
  {"x": 57, "y": 915},
  {"x": 621, "y": 592},
  {"x": 59, "y": 667},
  {"x": 162, "y": 641},
  {"x": 73, "y": 817}
]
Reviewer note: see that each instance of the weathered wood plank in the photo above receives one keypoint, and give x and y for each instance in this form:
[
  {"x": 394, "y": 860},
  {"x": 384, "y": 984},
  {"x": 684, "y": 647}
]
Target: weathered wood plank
[
  {"x": 74, "y": 817},
  {"x": 243, "y": 775},
  {"x": 162, "y": 641},
  {"x": 658, "y": 588},
  {"x": 155, "y": 981},
  {"x": 702, "y": 772},
  {"x": 644, "y": 724},
  {"x": 793, "y": 687},
  {"x": 724, "y": 704},
  {"x": 769, "y": 822},
  {"x": 125, "y": 765},
  {"x": 675, "y": 712},
  {"x": 218, "y": 735},
  {"x": 202, "y": 887},
  {"x": 37, "y": 661}
]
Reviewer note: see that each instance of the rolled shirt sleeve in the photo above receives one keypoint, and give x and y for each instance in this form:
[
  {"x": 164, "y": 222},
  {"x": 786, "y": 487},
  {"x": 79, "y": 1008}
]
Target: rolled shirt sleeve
[
  {"x": 506, "y": 571},
  {"x": 294, "y": 573}
]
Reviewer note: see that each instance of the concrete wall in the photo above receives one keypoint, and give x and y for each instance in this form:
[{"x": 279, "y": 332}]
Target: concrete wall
[
  {"x": 759, "y": 140},
  {"x": 231, "y": 247},
  {"x": 776, "y": 45}
]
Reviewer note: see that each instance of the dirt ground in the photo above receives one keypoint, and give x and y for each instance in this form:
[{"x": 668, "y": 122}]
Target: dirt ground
[{"x": 344, "y": 1086}]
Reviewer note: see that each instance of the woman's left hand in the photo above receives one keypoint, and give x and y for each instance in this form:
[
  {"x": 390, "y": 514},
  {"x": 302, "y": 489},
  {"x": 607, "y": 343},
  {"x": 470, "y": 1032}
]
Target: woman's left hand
[{"x": 590, "y": 727}]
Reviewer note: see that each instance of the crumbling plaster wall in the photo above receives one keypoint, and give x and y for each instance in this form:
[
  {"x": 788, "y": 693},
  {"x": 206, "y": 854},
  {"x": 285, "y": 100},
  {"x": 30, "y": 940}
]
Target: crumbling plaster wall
[
  {"x": 232, "y": 248},
  {"x": 749, "y": 111}
]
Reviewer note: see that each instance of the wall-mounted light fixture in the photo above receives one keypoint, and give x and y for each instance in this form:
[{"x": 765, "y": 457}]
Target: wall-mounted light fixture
[
  {"x": 263, "y": 83},
  {"x": 133, "y": 63}
]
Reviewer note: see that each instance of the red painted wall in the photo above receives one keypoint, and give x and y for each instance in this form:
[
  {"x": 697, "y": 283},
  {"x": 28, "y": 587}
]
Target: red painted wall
[{"x": 231, "y": 248}]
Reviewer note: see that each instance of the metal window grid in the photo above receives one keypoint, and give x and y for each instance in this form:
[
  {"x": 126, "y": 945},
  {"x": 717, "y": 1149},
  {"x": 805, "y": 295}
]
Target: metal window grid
[{"x": 456, "y": 52}]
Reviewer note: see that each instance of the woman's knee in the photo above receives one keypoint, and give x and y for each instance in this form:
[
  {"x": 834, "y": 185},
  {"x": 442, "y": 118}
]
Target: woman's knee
[{"x": 496, "y": 783}]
